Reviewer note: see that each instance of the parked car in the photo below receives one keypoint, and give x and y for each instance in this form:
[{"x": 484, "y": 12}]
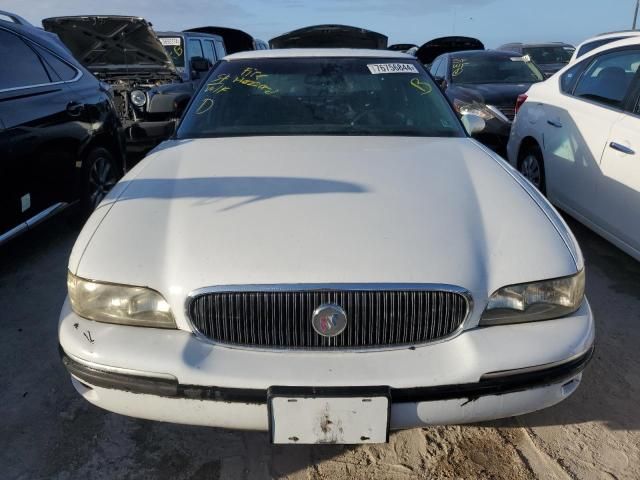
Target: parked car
[
  {"x": 402, "y": 47},
  {"x": 550, "y": 57},
  {"x": 126, "y": 54},
  {"x": 577, "y": 138},
  {"x": 601, "y": 40},
  {"x": 321, "y": 251},
  {"x": 60, "y": 137},
  {"x": 429, "y": 51},
  {"x": 330, "y": 36},
  {"x": 234, "y": 40},
  {"x": 486, "y": 83},
  {"x": 184, "y": 48}
]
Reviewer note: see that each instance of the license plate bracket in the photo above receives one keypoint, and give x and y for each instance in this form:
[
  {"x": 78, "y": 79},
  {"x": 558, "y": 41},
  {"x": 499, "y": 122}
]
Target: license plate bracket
[{"x": 338, "y": 415}]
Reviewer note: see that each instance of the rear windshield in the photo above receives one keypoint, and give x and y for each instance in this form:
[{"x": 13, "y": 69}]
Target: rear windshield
[
  {"x": 494, "y": 69},
  {"x": 319, "y": 96},
  {"x": 175, "y": 48},
  {"x": 549, "y": 55}
]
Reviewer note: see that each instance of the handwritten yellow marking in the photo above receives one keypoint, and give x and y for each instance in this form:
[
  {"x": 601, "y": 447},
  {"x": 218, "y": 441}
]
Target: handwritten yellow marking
[
  {"x": 263, "y": 87},
  {"x": 178, "y": 50},
  {"x": 458, "y": 66},
  {"x": 424, "y": 87},
  {"x": 205, "y": 106}
]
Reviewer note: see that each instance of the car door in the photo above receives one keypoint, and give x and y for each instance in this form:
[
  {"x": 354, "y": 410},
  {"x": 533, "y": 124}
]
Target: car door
[
  {"x": 578, "y": 125},
  {"x": 618, "y": 190},
  {"x": 37, "y": 114}
]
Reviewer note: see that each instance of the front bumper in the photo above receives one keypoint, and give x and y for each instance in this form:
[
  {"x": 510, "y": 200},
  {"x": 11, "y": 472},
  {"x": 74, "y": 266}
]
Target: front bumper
[{"x": 482, "y": 374}]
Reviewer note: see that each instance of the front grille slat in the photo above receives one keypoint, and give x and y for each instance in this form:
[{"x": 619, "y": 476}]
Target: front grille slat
[{"x": 282, "y": 319}]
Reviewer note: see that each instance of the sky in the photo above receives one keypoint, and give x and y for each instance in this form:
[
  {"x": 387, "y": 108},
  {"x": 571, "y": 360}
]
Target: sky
[{"x": 492, "y": 21}]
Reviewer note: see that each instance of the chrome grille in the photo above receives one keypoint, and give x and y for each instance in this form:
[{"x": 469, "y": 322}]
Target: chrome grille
[{"x": 282, "y": 318}]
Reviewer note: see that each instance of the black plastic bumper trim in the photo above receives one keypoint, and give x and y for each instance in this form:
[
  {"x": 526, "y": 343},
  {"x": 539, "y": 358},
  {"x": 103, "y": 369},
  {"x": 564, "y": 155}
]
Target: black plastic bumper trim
[{"x": 471, "y": 391}]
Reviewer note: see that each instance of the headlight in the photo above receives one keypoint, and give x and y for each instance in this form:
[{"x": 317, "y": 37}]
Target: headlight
[
  {"x": 531, "y": 302},
  {"x": 122, "y": 304},
  {"x": 138, "y": 98},
  {"x": 479, "y": 109}
]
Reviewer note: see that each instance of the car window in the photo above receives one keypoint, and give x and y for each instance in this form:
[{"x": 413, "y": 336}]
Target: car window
[
  {"x": 570, "y": 78},
  {"x": 587, "y": 47},
  {"x": 195, "y": 48},
  {"x": 434, "y": 66},
  {"x": 61, "y": 70},
  {"x": 220, "y": 50},
  {"x": 608, "y": 78},
  {"x": 441, "y": 71},
  {"x": 477, "y": 69},
  {"x": 26, "y": 67},
  {"x": 209, "y": 51},
  {"x": 549, "y": 55},
  {"x": 174, "y": 46},
  {"x": 319, "y": 96}
]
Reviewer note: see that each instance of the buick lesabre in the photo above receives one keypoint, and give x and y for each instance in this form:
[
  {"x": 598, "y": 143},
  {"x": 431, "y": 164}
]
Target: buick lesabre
[{"x": 322, "y": 251}]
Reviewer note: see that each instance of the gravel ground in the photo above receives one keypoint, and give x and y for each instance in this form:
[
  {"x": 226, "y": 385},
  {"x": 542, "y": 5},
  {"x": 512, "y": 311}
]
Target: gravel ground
[{"x": 48, "y": 431}]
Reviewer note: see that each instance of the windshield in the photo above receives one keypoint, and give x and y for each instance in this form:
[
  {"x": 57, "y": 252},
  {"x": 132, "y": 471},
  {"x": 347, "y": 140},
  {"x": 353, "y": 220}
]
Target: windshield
[
  {"x": 319, "y": 96},
  {"x": 174, "y": 46},
  {"x": 549, "y": 55},
  {"x": 494, "y": 69}
]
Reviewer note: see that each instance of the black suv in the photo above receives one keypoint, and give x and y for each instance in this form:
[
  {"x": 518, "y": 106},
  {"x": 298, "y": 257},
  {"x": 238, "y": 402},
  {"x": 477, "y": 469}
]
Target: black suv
[
  {"x": 550, "y": 57},
  {"x": 60, "y": 137},
  {"x": 126, "y": 53}
]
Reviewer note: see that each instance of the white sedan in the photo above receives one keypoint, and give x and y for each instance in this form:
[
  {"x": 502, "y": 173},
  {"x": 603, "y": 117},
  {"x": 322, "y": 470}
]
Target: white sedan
[
  {"x": 577, "y": 138},
  {"x": 322, "y": 251}
]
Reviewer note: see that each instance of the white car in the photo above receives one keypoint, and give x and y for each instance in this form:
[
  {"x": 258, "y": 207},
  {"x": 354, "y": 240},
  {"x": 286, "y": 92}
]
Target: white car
[
  {"x": 599, "y": 41},
  {"x": 577, "y": 138},
  {"x": 321, "y": 251}
]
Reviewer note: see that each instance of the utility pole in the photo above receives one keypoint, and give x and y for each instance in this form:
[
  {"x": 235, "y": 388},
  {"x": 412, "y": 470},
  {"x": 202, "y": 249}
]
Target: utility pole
[{"x": 635, "y": 14}]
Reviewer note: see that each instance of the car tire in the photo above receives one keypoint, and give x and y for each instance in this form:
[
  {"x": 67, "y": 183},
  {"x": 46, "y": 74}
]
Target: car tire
[
  {"x": 100, "y": 172},
  {"x": 531, "y": 166}
]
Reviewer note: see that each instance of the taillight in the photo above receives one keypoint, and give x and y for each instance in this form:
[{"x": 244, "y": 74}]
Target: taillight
[{"x": 521, "y": 99}]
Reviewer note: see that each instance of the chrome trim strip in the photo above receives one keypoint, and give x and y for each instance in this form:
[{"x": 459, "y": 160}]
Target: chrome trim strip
[
  {"x": 33, "y": 221},
  {"x": 14, "y": 232},
  {"x": 302, "y": 287},
  {"x": 554, "y": 217},
  {"x": 535, "y": 368},
  {"x": 123, "y": 371}
]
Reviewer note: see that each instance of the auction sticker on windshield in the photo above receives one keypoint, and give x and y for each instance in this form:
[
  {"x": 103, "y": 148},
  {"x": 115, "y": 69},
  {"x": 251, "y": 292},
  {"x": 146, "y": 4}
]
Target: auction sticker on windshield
[
  {"x": 170, "y": 41},
  {"x": 377, "y": 68}
]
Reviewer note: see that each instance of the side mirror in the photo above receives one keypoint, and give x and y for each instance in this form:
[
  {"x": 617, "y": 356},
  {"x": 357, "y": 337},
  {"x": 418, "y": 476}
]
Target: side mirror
[
  {"x": 473, "y": 123},
  {"x": 200, "y": 64}
]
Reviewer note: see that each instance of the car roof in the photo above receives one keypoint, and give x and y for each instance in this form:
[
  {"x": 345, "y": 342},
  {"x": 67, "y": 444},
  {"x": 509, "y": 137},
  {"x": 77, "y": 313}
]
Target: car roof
[
  {"x": 621, "y": 33},
  {"x": 318, "y": 52},
  {"x": 166, "y": 33},
  {"x": 537, "y": 44},
  {"x": 42, "y": 37},
  {"x": 625, "y": 42},
  {"x": 482, "y": 53}
]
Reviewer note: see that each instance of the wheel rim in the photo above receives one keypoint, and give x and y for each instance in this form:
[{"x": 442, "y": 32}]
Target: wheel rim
[
  {"x": 102, "y": 178},
  {"x": 530, "y": 168}
]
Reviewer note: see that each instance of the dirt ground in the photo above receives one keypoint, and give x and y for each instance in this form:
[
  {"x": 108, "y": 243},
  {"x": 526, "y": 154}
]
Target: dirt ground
[{"x": 48, "y": 431}]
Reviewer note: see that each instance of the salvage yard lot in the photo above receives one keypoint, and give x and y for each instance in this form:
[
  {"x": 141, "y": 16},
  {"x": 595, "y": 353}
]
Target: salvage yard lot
[{"x": 48, "y": 431}]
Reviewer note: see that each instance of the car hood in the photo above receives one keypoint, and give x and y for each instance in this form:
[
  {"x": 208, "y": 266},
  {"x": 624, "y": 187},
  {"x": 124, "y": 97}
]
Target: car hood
[
  {"x": 108, "y": 42},
  {"x": 291, "y": 210},
  {"x": 330, "y": 36},
  {"x": 489, "y": 93}
]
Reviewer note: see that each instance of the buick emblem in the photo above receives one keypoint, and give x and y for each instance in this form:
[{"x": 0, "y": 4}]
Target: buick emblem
[{"x": 329, "y": 320}]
